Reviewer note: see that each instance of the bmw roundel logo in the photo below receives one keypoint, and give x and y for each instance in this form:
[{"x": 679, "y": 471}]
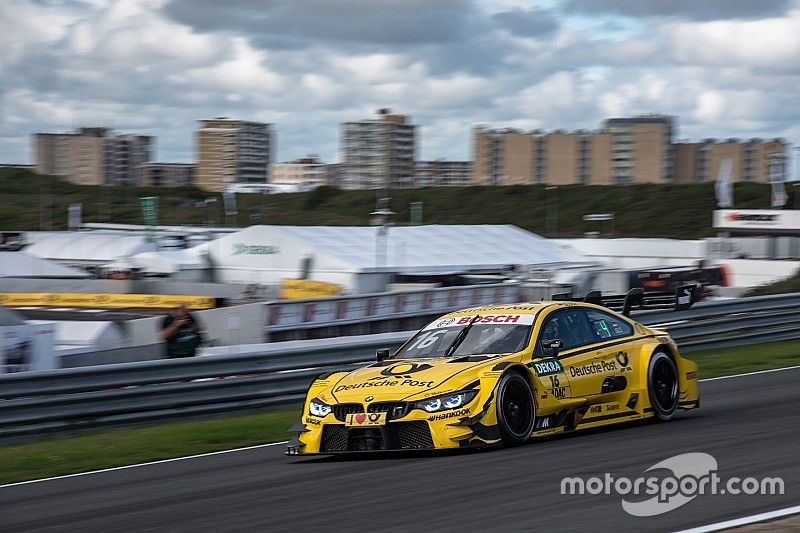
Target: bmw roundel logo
[{"x": 369, "y": 398}]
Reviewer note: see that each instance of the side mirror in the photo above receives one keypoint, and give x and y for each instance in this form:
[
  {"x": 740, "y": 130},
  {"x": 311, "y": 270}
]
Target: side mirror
[
  {"x": 381, "y": 354},
  {"x": 555, "y": 346}
]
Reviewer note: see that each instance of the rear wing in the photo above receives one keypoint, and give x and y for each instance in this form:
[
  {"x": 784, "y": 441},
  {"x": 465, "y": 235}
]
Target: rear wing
[{"x": 637, "y": 299}]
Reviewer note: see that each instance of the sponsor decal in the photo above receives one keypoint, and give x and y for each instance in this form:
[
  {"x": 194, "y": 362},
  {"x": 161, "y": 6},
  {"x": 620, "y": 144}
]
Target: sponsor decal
[
  {"x": 403, "y": 370},
  {"x": 623, "y": 359},
  {"x": 143, "y": 301},
  {"x": 495, "y": 319},
  {"x": 309, "y": 310},
  {"x": 390, "y": 377},
  {"x": 751, "y": 217},
  {"x": 384, "y": 383},
  {"x": 557, "y": 390},
  {"x": 545, "y": 422},
  {"x": 312, "y": 421},
  {"x": 369, "y": 398},
  {"x": 254, "y": 249},
  {"x": 365, "y": 419},
  {"x": 451, "y": 414},
  {"x": 593, "y": 368},
  {"x": 548, "y": 366},
  {"x": 691, "y": 375},
  {"x": 612, "y": 407}
]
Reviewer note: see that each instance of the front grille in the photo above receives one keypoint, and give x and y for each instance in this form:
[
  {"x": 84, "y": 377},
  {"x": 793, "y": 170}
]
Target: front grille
[
  {"x": 340, "y": 411},
  {"x": 334, "y": 438},
  {"x": 393, "y": 410},
  {"x": 414, "y": 435}
]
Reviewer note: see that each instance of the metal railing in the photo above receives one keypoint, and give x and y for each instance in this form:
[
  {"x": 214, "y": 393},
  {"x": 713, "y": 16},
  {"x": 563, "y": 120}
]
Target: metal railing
[{"x": 261, "y": 375}]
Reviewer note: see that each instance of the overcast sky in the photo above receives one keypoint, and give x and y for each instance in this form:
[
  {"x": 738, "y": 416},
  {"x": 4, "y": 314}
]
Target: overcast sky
[{"x": 726, "y": 68}]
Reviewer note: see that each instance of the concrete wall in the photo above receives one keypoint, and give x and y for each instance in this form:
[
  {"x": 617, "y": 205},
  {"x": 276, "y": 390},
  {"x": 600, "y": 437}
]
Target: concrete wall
[{"x": 241, "y": 324}]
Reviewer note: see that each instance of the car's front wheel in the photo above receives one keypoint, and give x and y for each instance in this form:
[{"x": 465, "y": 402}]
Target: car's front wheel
[
  {"x": 662, "y": 385},
  {"x": 516, "y": 410}
]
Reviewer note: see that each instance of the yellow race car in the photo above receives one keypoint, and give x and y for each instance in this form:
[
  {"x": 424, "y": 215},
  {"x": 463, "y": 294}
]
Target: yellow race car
[{"x": 499, "y": 375}]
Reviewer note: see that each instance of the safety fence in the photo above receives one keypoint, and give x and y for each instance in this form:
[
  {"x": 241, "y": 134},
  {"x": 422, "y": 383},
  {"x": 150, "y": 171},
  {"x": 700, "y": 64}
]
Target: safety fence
[{"x": 256, "y": 376}]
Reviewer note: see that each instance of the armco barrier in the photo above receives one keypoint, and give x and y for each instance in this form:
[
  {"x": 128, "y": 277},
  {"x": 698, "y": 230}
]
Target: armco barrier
[{"x": 255, "y": 376}]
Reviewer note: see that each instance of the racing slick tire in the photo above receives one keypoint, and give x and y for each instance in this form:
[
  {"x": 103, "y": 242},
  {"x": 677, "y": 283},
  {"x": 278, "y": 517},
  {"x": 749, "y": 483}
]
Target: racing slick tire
[
  {"x": 516, "y": 411},
  {"x": 662, "y": 385}
]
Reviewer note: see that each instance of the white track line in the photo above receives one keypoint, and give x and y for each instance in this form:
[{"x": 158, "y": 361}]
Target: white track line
[
  {"x": 277, "y": 443},
  {"x": 752, "y": 519},
  {"x": 143, "y": 464},
  {"x": 752, "y": 373}
]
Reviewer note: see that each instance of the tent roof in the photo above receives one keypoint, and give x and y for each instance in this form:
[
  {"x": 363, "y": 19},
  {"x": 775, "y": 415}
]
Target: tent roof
[
  {"x": 431, "y": 249},
  {"x": 168, "y": 261},
  {"x": 88, "y": 246},
  {"x": 24, "y": 265}
]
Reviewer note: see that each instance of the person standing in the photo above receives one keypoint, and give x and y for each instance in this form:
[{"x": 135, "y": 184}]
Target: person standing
[{"x": 181, "y": 332}]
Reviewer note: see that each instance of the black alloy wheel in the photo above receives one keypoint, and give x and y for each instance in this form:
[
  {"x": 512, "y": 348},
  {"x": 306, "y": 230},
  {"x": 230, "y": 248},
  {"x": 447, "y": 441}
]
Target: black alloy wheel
[
  {"x": 516, "y": 410},
  {"x": 662, "y": 385}
]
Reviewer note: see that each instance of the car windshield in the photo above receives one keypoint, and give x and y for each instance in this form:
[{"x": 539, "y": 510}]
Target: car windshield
[{"x": 490, "y": 334}]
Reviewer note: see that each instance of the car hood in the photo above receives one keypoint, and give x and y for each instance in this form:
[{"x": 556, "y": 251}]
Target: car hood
[{"x": 404, "y": 379}]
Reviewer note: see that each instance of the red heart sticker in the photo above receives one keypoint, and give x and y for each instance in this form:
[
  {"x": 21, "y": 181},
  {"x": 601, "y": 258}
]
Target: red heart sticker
[{"x": 360, "y": 417}]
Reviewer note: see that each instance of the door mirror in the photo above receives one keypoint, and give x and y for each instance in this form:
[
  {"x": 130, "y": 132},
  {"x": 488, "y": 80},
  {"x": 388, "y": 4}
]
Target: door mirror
[
  {"x": 381, "y": 354},
  {"x": 555, "y": 346}
]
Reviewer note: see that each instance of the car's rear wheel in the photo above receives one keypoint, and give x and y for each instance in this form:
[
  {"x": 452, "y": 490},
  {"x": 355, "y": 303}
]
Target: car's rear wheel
[
  {"x": 516, "y": 410},
  {"x": 662, "y": 385}
]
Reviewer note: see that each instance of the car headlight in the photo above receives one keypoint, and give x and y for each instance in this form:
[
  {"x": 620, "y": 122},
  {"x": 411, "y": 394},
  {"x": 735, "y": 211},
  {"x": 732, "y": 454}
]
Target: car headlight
[
  {"x": 447, "y": 401},
  {"x": 319, "y": 408}
]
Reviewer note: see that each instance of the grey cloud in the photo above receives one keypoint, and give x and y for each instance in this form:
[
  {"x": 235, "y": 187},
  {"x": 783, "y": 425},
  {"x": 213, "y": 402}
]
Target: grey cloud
[
  {"x": 527, "y": 22},
  {"x": 686, "y": 9},
  {"x": 389, "y": 22}
]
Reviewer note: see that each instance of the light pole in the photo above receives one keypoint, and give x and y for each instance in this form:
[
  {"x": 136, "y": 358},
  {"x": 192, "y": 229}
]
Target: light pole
[
  {"x": 211, "y": 220},
  {"x": 551, "y": 217},
  {"x": 382, "y": 217},
  {"x": 795, "y": 185}
]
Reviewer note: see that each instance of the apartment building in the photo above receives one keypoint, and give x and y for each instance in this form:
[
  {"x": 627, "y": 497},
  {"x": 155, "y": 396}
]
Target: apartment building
[
  {"x": 307, "y": 170},
  {"x": 166, "y": 174},
  {"x": 701, "y": 161},
  {"x": 642, "y": 149},
  {"x": 517, "y": 157},
  {"x": 378, "y": 152},
  {"x": 92, "y": 156},
  {"x": 625, "y": 151},
  {"x": 442, "y": 173},
  {"x": 232, "y": 151}
]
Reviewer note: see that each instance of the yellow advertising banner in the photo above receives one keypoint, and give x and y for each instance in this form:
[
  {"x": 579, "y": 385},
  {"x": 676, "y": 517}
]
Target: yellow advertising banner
[
  {"x": 300, "y": 289},
  {"x": 108, "y": 301}
]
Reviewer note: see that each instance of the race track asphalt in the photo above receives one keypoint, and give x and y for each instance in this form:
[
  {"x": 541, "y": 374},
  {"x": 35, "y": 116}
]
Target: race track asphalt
[{"x": 750, "y": 424}]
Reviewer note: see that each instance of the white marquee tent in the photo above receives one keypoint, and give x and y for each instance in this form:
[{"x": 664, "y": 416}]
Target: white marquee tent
[
  {"x": 23, "y": 265},
  {"x": 360, "y": 257},
  {"x": 87, "y": 248}
]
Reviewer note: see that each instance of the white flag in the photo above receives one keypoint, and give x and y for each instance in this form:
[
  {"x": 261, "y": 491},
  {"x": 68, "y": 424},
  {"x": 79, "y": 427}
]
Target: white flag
[
  {"x": 777, "y": 177},
  {"x": 724, "y": 185}
]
